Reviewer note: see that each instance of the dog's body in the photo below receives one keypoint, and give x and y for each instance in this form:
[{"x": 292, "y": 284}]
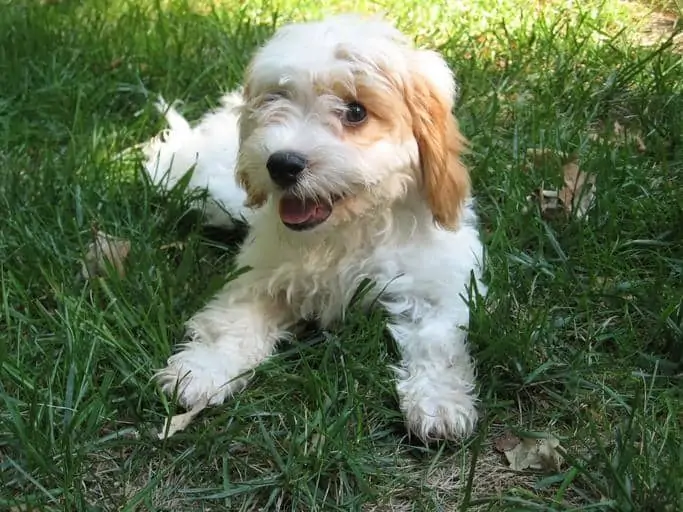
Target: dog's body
[{"x": 348, "y": 161}]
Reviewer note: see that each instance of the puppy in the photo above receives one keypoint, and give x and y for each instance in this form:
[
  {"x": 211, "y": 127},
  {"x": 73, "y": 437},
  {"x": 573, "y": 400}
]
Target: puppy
[{"x": 347, "y": 158}]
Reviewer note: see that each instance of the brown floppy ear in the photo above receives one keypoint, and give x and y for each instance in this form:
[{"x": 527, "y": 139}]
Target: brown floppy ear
[
  {"x": 445, "y": 179},
  {"x": 255, "y": 196}
]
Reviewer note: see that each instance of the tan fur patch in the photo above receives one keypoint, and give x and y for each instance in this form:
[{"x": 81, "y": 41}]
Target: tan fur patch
[
  {"x": 388, "y": 118},
  {"x": 255, "y": 197},
  {"x": 445, "y": 179}
]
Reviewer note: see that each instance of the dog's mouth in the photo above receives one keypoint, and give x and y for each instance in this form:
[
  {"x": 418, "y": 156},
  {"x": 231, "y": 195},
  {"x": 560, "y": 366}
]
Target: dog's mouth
[{"x": 302, "y": 214}]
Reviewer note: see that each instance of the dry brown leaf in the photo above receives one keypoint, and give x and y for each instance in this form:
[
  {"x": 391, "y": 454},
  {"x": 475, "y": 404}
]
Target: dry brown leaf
[
  {"x": 640, "y": 144},
  {"x": 539, "y": 454},
  {"x": 630, "y": 136},
  {"x": 578, "y": 192},
  {"x": 180, "y": 422},
  {"x": 506, "y": 442},
  {"x": 620, "y": 135},
  {"x": 103, "y": 252},
  {"x": 549, "y": 202},
  {"x": 115, "y": 63}
]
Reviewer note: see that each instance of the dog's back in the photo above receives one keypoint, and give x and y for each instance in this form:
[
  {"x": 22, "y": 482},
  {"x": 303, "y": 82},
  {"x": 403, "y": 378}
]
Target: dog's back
[{"x": 209, "y": 149}]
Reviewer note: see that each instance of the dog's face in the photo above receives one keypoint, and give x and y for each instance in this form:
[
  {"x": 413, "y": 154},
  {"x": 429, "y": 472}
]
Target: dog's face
[{"x": 342, "y": 116}]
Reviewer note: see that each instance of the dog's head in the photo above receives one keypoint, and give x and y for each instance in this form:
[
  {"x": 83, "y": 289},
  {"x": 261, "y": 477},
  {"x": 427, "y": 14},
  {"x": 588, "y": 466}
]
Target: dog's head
[{"x": 344, "y": 115}]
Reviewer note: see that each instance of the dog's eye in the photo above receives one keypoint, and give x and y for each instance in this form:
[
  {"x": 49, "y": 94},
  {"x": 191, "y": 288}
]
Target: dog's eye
[
  {"x": 269, "y": 97},
  {"x": 354, "y": 114}
]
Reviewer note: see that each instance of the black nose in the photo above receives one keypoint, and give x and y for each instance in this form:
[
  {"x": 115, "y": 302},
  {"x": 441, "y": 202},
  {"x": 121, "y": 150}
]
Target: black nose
[{"x": 285, "y": 166}]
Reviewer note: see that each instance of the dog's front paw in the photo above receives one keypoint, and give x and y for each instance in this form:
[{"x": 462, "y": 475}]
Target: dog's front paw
[
  {"x": 438, "y": 406},
  {"x": 196, "y": 373}
]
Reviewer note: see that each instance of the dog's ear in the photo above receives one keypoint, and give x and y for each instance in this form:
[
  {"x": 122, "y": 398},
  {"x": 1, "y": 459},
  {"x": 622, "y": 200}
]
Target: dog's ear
[
  {"x": 444, "y": 178},
  {"x": 255, "y": 197}
]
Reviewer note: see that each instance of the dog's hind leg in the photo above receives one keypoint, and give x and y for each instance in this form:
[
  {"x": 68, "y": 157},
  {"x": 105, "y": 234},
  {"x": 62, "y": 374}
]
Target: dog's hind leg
[{"x": 209, "y": 151}]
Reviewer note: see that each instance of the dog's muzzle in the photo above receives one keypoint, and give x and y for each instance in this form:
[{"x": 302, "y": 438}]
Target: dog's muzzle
[
  {"x": 285, "y": 167},
  {"x": 296, "y": 212}
]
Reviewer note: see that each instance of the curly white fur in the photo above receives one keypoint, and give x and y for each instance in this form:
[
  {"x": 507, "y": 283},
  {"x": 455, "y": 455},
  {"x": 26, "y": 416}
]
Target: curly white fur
[
  {"x": 386, "y": 224},
  {"x": 209, "y": 151}
]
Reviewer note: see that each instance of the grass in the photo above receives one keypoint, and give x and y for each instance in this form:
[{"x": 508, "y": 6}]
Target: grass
[{"x": 581, "y": 336}]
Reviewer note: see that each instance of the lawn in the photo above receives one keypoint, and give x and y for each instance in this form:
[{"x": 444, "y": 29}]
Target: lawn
[{"x": 581, "y": 336}]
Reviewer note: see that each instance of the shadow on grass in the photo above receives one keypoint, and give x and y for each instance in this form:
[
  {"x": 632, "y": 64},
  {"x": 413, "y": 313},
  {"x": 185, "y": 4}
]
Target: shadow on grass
[{"x": 70, "y": 67}]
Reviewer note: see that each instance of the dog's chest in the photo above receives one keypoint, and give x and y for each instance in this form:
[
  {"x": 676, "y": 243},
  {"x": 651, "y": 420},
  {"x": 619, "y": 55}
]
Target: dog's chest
[
  {"x": 320, "y": 284},
  {"x": 319, "y": 280}
]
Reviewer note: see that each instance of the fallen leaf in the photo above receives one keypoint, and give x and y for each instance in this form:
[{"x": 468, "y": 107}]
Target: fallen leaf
[
  {"x": 103, "y": 252},
  {"x": 538, "y": 454},
  {"x": 640, "y": 144},
  {"x": 619, "y": 136},
  {"x": 630, "y": 136},
  {"x": 578, "y": 193},
  {"x": 180, "y": 422},
  {"x": 115, "y": 63},
  {"x": 549, "y": 202},
  {"x": 506, "y": 442}
]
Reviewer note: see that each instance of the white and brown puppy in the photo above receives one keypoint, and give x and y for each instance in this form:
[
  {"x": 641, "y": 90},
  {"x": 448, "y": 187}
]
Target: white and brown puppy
[{"x": 348, "y": 160}]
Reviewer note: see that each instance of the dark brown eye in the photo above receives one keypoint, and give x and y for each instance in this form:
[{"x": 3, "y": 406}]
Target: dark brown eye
[
  {"x": 354, "y": 114},
  {"x": 272, "y": 96}
]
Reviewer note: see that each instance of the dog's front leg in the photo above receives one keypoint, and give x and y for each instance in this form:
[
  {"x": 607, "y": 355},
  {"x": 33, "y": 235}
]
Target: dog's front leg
[
  {"x": 235, "y": 332},
  {"x": 436, "y": 377}
]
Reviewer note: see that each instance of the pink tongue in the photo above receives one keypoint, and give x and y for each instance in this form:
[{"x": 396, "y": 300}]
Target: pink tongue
[{"x": 296, "y": 211}]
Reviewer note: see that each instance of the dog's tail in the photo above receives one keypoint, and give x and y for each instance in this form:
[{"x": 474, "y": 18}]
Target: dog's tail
[
  {"x": 160, "y": 151},
  {"x": 208, "y": 150}
]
